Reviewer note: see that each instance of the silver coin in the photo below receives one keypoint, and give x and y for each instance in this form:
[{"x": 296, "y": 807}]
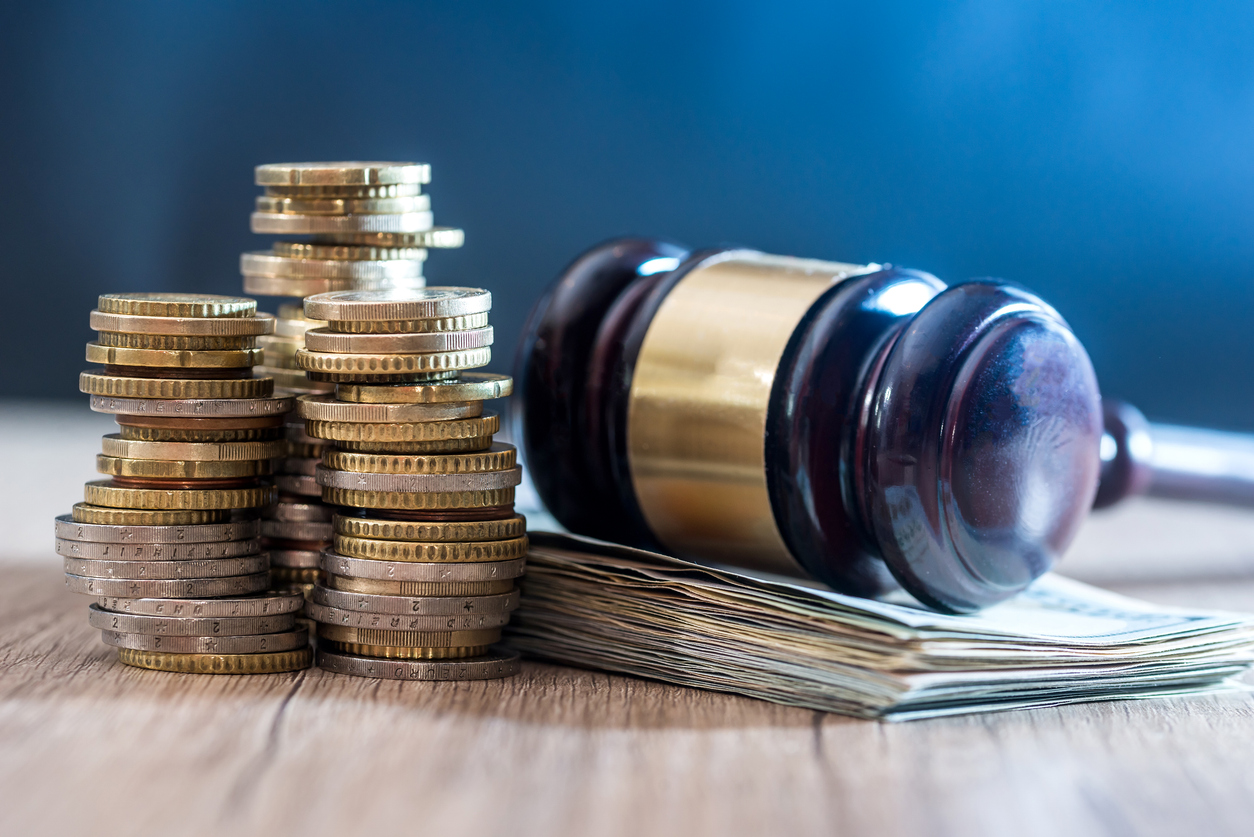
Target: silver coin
[
  {"x": 261, "y": 644},
  {"x": 418, "y": 304},
  {"x": 191, "y": 588},
  {"x": 213, "y": 568},
  {"x": 187, "y": 326},
  {"x": 156, "y": 551},
  {"x": 297, "y": 559},
  {"x": 297, "y": 530},
  {"x": 325, "y": 407},
  {"x": 193, "y": 407},
  {"x": 488, "y": 667},
  {"x": 325, "y": 340},
  {"x": 362, "y": 481},
  {"x": 300, "y": 465},
  {"x": 370, "y": 568},
  {"x": 347, "y": 173},
  {"x": 274, "y": 223},
  {"x": 416, "y": 605},
  {"x": 132, "y": 623},
  {"x": 297, "y": 484},
  {"x": 267, "y": 605},
  {"x": 263, "y": 263},
  {"x": 301, "y": 512},
  {"x": 405, "y": 621},
  {"x": 68, "y": 530}
]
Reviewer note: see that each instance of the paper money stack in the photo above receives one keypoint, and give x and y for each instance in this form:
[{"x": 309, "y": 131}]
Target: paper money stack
[
  {"x": 427, "y": 544},
  {"x": 597, "y": 605},
  {"x": 168, "y": 543},
  {"x": 371, "y": 228}
]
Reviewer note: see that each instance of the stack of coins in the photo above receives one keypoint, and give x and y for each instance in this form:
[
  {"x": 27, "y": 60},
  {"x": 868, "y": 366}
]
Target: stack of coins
[
  {"x": 371, "y": 228},
  {"x": 176, "y": 520},
  {"x": 427, "y": 544}
]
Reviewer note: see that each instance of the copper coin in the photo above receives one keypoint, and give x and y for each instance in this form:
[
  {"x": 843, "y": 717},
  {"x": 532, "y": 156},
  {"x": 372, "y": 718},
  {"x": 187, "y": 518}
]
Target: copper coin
[
  {"x": 188, "y": 423},
  {"x": 484, "y": 513},
  {"x": 207, "y": 373},
  {"x": 140, "y": 482}
]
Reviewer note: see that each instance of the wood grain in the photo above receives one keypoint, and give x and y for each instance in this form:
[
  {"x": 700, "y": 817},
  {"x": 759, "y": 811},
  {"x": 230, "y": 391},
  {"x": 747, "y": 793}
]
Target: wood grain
[{"x": 89, "y": 745}]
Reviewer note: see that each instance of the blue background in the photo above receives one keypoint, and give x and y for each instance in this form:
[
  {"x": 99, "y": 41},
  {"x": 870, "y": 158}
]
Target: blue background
[{"x": 1099, "y": 153}]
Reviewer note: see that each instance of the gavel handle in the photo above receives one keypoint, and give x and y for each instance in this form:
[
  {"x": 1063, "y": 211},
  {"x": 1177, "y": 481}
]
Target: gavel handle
[{"x": 1164, "y": 460}]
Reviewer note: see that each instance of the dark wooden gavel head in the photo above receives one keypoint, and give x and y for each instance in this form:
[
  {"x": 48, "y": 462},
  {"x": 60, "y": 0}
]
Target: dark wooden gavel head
[{"x": 811, "y": 418}]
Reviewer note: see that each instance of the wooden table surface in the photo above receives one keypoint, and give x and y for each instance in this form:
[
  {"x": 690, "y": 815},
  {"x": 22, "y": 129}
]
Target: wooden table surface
[{"x": 87, "y": 744}]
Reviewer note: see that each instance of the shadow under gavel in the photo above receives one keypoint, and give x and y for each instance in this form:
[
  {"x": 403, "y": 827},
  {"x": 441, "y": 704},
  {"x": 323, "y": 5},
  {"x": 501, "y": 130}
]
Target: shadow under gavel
[{"x": 1163, "y": 460}]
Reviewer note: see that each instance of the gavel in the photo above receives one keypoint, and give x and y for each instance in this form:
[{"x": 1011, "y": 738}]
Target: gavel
[{"x": 866, "y": 426}]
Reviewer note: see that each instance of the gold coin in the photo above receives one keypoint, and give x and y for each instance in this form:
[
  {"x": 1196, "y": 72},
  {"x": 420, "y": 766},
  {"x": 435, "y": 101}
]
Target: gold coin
[
  {"x": 426, "y": 552},
  {"x": 114, "y": 356},
  {"x": 408, "y": 639},
  {"x": 471, "y": 443},
  {"x": 180, "y": 469},
  {"x": 266, "y": 663},
  {"x": 96, "y": 383},
  {"x": 178, "y": 434},
  {"x": 383, "y": 652},
  {"x": 430, "y": 431},
  {"x": 177, "y": 305},
  {"x": 361, "y": 192},
  {"x": 416, "y": 304},
  {"x": 342, "y": 206},
  {"x": 102, "y": 493},
  {"x": 436, "y": 237},
  {"x": 239, "y": 326},
  {"x": 371, "y": 587},
  {"x": 350, "y": 173},
  {"x": 431, "y": 531},
  {"x": 325, "y": 407},
  {"x": 350, "y": 366},
  {"x": 347, "y": 252},
  {"x": 114, "y": 445},
  {"x": 469, "y": 386},
  {"x": 176, "y": 342},
  {"x": 430, "y": 326},
  {"x": 416, "y": 501},
  {"x": 84, "y": 513},
  {"x": 500, "y": 457}
]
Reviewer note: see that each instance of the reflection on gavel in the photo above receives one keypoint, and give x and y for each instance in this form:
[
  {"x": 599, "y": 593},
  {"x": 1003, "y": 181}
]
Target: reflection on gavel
[{"x": 863, "y": 425}]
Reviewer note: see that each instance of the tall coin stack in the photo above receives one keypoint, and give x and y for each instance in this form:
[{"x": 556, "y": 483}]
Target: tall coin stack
[
  {"x": 371, "y": 227},
  {"x": 168, "y": 543},
  {"x": 427, "y": 545}
]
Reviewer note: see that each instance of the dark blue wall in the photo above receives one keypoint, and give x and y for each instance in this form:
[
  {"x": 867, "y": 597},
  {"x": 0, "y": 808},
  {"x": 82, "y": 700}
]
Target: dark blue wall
[{"x": 1098, "y": 153}]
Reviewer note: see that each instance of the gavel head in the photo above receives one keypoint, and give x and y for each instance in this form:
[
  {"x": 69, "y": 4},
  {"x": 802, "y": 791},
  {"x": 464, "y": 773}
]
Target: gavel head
[{"x": 811, "y": 418}]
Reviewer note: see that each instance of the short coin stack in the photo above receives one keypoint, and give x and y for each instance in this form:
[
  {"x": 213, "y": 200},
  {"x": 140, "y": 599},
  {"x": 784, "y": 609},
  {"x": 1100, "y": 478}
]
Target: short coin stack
[
  {"x": 176, "y": 520},
  {"x": 371, "y": 229},
  {"x": 427, "y": 544}
]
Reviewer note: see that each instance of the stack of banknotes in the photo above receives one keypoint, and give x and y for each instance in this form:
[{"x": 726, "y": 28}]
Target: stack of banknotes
[{"x": 598, "y": 605}]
